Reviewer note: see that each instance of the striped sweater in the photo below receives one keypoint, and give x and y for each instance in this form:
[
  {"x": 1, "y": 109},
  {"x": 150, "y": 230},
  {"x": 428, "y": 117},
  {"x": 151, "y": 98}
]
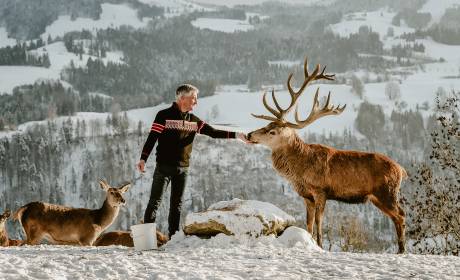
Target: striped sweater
[{"x": 175, "y": 132}]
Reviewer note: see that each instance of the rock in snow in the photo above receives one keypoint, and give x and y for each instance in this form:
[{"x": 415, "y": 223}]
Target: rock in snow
[{"x": 238, "y": 217}]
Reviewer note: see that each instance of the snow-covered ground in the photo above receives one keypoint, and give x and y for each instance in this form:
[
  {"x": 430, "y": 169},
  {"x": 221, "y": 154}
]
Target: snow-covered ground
[
  {"x": 437, "y": 8},
  {"x": 379, "y": 21},
  {"x": 12, "y": 76},
  {"x": 226, "y": 25},
  {"x": 176, "y": 7},
  {"x": 112, "y": 16},
  {"x": 217, "y": 258},
  {"x": 222, "y": 24},
  {"x": 232, "y": 3}
]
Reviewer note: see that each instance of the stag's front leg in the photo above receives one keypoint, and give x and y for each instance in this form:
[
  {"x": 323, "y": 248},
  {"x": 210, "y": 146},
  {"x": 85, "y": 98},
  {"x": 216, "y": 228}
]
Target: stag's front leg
[
  {"x": 311, "y": 208},
  {"x": 320, "y": 205}
]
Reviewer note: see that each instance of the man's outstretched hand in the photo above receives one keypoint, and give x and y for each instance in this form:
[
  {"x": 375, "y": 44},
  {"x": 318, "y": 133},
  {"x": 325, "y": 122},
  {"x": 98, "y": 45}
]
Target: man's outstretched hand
[
  {"x": 141, "y": 166},
  {"x": 241, "y": 136}
]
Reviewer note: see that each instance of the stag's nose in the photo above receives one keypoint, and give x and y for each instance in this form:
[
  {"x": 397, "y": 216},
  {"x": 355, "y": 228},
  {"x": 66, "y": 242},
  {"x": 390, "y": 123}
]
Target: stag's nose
[
  {"x": 123, "y": 201},
  {"x": 249, "y": 135}
]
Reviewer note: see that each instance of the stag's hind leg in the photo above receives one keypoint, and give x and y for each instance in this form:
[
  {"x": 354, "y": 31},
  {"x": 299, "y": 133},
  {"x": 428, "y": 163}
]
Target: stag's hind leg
[
  {"x": 311, "y": 210},
  {"x": 387, "y": 202},
  {"x": 320, "y": 205}
]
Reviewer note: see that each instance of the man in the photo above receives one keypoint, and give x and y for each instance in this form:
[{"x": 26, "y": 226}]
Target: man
[{"x": 175, "y": 128}]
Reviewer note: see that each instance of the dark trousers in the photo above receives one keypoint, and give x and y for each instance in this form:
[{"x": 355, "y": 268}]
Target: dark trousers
[{"x": 162, "y": 175}]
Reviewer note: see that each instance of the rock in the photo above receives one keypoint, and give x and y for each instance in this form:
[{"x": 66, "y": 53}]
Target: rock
[{"x": 237, "y": 217}]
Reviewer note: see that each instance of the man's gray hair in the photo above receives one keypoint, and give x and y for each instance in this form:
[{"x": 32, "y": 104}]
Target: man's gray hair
[{"x": 185, "y": 90}]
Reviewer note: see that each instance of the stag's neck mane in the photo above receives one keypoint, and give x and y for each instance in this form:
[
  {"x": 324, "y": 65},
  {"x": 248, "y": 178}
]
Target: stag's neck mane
[
  {"x": 284, "y": 155},
  {"x": 293, "y": 144},
  {"x": 106, "y": 214}
]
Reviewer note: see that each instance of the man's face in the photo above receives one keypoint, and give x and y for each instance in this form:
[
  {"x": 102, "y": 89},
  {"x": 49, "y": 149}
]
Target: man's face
[{"x": 188, "y": 102}]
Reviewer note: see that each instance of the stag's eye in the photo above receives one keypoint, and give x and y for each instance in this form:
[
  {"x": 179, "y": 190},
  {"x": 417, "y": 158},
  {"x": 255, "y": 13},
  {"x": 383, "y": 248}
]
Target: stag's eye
[{"x": 272, "y": 132}]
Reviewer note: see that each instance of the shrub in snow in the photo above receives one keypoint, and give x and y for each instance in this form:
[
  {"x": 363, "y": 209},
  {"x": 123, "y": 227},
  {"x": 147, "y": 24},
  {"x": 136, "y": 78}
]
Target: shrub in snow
[
  {"x": 238, "y": 217},
  {"x": 434, "y": 206}
]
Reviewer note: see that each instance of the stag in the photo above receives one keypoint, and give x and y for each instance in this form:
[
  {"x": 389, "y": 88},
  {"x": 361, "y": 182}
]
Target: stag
[
  {"x": 70, "y": 226},
  {"x": 4, "y": 240},
  {"x": 319, "y": 173}
]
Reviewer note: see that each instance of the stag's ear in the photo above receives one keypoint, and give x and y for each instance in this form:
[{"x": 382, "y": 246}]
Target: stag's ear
[
  {"x": 104, "y": 185},
  {"x": 7, "y": 213},
  {"x": 125, "y": 187}
]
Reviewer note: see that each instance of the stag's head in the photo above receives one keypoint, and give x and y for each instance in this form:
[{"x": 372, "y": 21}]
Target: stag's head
[
  {"x": 5, "y": 216},
  {"x": 114, "y": 195},
  {"x": 279, "y": 131}
]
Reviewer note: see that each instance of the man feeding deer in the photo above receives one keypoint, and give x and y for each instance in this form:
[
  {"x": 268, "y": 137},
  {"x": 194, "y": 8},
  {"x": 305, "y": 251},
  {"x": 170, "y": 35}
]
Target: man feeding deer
[
  {"x": 318, "y": 172},
  {"x": 175, "y": 128}
]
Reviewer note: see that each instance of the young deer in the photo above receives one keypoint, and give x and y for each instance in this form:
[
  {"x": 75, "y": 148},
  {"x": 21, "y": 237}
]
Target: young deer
[
  {"x": 72, "y": 226},
  {"x": 4, "y": 240},
  {"x": 319, "y": 172},
  {"x": 124, "y": 238}
]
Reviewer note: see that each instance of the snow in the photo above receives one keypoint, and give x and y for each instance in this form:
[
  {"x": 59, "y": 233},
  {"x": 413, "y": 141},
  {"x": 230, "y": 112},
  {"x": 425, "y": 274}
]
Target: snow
[
  {"x": 12, "y": 76},
  {"x": 293, "y": 236},
  {"x": 112, "y": 16},
  {"x": 285, "y": 63},
  {"x": 223, "y": 25},
  {"x": 220, "y": 257},
  {"x": 437, "y": 8},
  {"x": 379, "y": 21},
  {"x": 4, "y": 40},
  {"x": 232, "y": 3}
]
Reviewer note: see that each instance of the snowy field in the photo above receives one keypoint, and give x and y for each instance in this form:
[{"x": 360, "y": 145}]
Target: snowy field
[
  {"x": 112, "y": 16},
  {"x": 222, "y": 24},
  {"x": 12, "y": 76},
  {"x": 437, "y": 8},
  {"x": 217, "y": 258},
  {"x": 232, "y": 3},
  {"x": 379, "y": 21}
]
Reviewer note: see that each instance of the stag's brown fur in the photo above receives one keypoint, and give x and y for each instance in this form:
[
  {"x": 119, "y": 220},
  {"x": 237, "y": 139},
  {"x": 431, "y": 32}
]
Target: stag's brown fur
[
  {"x": 319, "y": 173},
  {"x": 4, "y": 240},
  {"x": 70, "y": 226},
  {"x": 124, "y": 238}
]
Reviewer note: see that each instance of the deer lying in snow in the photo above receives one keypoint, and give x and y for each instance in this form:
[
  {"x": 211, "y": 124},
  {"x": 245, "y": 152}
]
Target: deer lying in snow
[
  {"x": 319, "y": 172},
  {"x": 70, "y": 226},
  {"x": 124, "y": 238},
  {"x": 4, "y": 240}
]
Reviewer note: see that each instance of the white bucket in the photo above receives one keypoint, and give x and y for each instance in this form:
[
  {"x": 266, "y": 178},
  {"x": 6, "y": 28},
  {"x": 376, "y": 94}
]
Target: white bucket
[{"x": 144, "y": 236}]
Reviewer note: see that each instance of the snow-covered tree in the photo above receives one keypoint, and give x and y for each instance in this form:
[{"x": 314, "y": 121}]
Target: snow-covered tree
[
  {"x": 434, "y": 207},
  {"x": 392, "y": 90}
]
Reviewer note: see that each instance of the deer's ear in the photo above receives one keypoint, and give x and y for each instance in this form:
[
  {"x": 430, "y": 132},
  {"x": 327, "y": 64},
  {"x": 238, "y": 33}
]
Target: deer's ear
[
  {"x": 7, "y": 213},
  {"x": 125, "y": 187},
  {"x": 104, "y": 184}
]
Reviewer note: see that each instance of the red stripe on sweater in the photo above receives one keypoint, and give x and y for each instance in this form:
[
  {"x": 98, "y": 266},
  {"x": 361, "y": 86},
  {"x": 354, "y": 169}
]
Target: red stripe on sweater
[
  {"x": 156, "y": 130},
  {"x": 159, "y": 125},
  {"x": 200, "y": 127}
]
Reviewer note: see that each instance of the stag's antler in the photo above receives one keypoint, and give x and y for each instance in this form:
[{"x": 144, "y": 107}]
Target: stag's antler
[{"x": 315, "y": 113}]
